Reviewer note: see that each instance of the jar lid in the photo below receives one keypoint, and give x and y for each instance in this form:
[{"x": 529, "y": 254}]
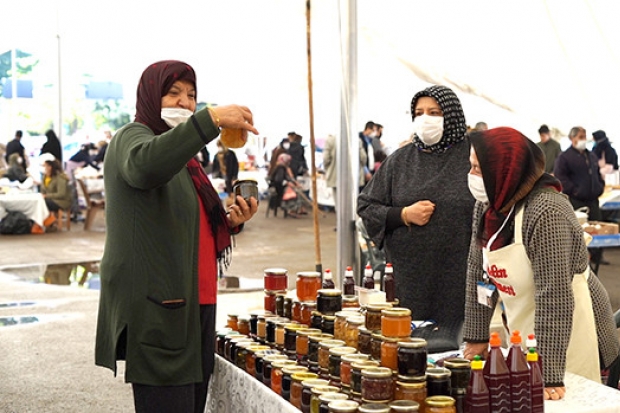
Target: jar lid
[
  {"x": 346, "y": 313},
  {"x": 343, "y": 406},
  {"x": 377, "y": 372},
  {"x": 418, "y": 384},
  {"x": 294, "y": 326},
  {"x": 456, "y": 363},
  {"x": 308, "y": 331},
  {"x": 356, "y": 319},
  {"x": 263, "y": 353},
  {"x": 377, "y": 335},
  {"x": 245, "y": 318},
  {"x": 392, "y": 339},
  {"x": 404, "y": 406},
  {"x": 260, "y": 312},
  {"x": 274, "y": 292},
  {"x": 364, "y": 330},
  {"x": 274, "y": 357},
  {"x": 282, "y": 324},
  {"x": 275, "y": 271},
  {"x": 341, "y": 351},
  {"x": 324, "y": 389},
  {"x": 280, "y": 364},
  {"x": 331, "y": 343},
  {"x": 396, "y": 312},
  {"x": 321, "y": 337},
  {"x": 374, "y": 408},
  {"x": 378, "y": 306},
  {"x": 438, "y": 372},
  {"x": 333, "y": 396},
  {"x": 232, "y": 315},
  {"x": 360, "y": 365},
  {"x": 354, "y": 358},
  {"x": 350, "y": 299},
  {"x": 413, "y": 342},
  {"x": 225, "y": 332},
  {"x": 304, "y": 376},
  {"x": 308, "y": 304},
  {"x": 439, "y": 401},
  {"x": 258, "y": 347},
  {"x": 313, "y": 382},
  {"x": 294, "y": 369},
  {"x": 275, "y": 320},
  {"x": 308, "y": 274},
  {"x": 329, "y": 317},
  {"x": 316, "y": 313},
  {"x": 329, "y": 292}
]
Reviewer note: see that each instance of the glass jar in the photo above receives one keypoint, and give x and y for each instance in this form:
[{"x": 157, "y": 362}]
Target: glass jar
[
  {"x": 296, "y": 388},
  {"x": 270, "y": 300},
  {"x": 375, "y": 346},
  {"x": 243, "y": 325},
  {"x": 340, "y": 323},
  {"x": 411, "y": 390},
  {"x": 267, "y": 366},
  {"x": 280, "y": 304},
  {"x": 364, "y": 341},
  {"x": 250, "y": 358},
  {"x": 275, "y": 279},
  {"x": 270, "y": 329},
  {"x": 316, "y": 393},
  {"x": 308, "y": 283},
  {"x": 389, "y": 353},
  {"x": 280, "y": 334},
  {"x": 316, "y": 320},
  {"x": 290, "y": 336},
  {"x": 288, "y": 306},
  {"x": 438, "y": 381},
  {"x": 254, "y": 321},
  {"x": 301, "y": 347},
  {"x": 231, "y": 350},
  {"x": 439, "y": 404},
  {"x": 374, "y": 408},
  {"x": 345, "y": 367},
  {"x": 343, "y": 406},
  {"x": 220, "y": 340},
  {"x": 356, "y": 374},
  {"x": 326, "y": 398},
  {"x": 306, "y": 392},
  {"x": 377, "y": 385},
  {"x": 353, "y": 330},
  {"x": 324, "y": 347},
  {"x": 373, "y": 315},
  {"x": 259, "y": 362},
  {"x": 261, "y": 327},
  {"x": 231, "y": 322},
  {"x": 314, "y": 341},
  {"x": 296, "y": 311},
  {"x": 307, "y": 308},
  {"x": 335, "y": 355},
  {"x": 329, "y": 301},
  {"x": 287, "y": 372},
  {"x": 459, "y": 374},
  {"x": 327, "y": 324},
  {"x": 412, "y": 357},
  {"x": 242, "y": 351},
  {"x": 404, "y": 406},
  {"x": 350, "y": 301},
  {"x": 396, "y": 322},
  {"x": 276, "y": 374}
]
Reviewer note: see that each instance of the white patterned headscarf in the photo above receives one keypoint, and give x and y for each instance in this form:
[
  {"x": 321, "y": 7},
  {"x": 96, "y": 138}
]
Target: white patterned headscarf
[{"x": 454, "y": 126}]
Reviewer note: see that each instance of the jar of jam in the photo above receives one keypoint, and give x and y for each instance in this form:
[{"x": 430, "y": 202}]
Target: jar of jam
[
  {"x": 439, "y": 404},
  {"x": 335, "y": 354},
  {"x": 254, "y": 321},
  {"x": 308, "y": 284},
  {"x": 343, "y": 406},
  {"x": 276, "y": 374},
  {"x": 316, "y": 393},
  {"x": 270, "y": 329},
  {"x": 231, "y": 349},
  {"x": 242, "y": 351},
  {"x": 326, "y": 398},
  {"x": 374, "y": 408},
  {"x": 261, "y": 328},
  {"x": 373, "y": 315},
  {"x": 353, "y": 330},
  {"x": 270, "y": 300},
  {"x": 329, "y": 301},
  {"x": 411, "y": 390},
  {"x": 280, "y": 334},
  {"x": 459, "y": 374},
  {"x": 314, "y": 341},
  {"x": 287, "y": 372},
  {"x": 302, "y": 342},
  {"x": 307, "y": 308},
  {"x": 231, "y": 322},
  {"x": 306, "y": 392},
  {"x": 364, "y": 341},
  {"x": 350, "y": 301},
  {"x": 243, "y": 325},
  {"x": 220, "y": 340},
  {"x": 324, "y": 347},
  {"x": 404, "y": 406},
  {"x": 280, "y": 304},
  {"x": 356, "y": 375},
  {"x": 275, "y": 279},
  {"x": 375, "y": 346},
  {"x": 316, "y": 320},
  {"x": 340, "y": 323},
  {"x": 345, "y": 367},
  {"x": 438, "y": 382},
  {"x": 250, "y": 358},
  {"x": 377, "y": 385},
  {"x": 267, "y": 366},
  {"x": 290, "y": 336},
  {"x": 259, "y": 363},
  {"x": 389, "y": 353},
  {"x": 412, "y": 357},
  {"x": 288, "y": 308},
  {"x": 396, "y": 322},
  {"x": 295, "y": 390},
  {"x": 327, "y": 324}
]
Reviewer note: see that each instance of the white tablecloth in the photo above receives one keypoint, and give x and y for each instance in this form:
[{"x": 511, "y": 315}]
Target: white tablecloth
[
  {"x": 31, "y": 204},
  {"x": 583, "y": 395}
]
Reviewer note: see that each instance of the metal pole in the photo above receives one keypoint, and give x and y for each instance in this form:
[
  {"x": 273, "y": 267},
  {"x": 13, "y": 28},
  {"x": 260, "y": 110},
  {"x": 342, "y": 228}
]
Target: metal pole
[{"x": 59, "y": 80}]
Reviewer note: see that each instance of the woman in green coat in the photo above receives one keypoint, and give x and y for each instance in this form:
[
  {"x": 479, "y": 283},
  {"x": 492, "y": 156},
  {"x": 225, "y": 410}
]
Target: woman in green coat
[
  {"x": 55, "y": 187},
  {"x": 166, "y": 234}
]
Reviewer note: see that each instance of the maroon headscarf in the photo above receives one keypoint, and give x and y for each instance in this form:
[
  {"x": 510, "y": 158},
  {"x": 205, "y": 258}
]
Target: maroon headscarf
[{"x": 512, "y": 166}]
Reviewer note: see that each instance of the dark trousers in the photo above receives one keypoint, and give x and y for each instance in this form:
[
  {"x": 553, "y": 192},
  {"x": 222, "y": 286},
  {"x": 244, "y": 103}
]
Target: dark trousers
[
  {"x": 51, "y": 205},
  {"x": 593, "y": 206},
  {"x": 189, "y": 398}
]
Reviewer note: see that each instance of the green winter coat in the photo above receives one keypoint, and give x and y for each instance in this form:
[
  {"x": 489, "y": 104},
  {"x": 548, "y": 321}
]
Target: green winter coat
[
  {"x": 58, "y": 191},
  {"x": 149, "y": 281}
]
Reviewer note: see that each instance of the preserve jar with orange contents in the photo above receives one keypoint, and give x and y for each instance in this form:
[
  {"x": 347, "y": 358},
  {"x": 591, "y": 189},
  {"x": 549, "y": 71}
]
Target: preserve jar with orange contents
[
  {"x": 340, "y": 323},
  {"x": 352, "y": 331},
  {"x": 250, "y": 359},
  {"x": 296, "y": 311},
  {"x": 335, "y": 355},
  {"x": 308, "y": 284},
  {"x": 307, "y": 308},
  {"x": 439, "y": 404},
  {"x": 345, "y": 367},
  {"x": 389, "y": 353},
  {"x": 301, "y": 343},
  {"x": 276, "y": 373},
  {"x": 396, "y": 322},
  {"x": 324, "y": 347},
  {"x": 287, "y": 372},
  {"x": 243, "y": 325},
  {"x": 314, "y": 340},
  {"x": 231, "y": 322},
  {"x": 296, "y": 379},
  {"x": 411, "y": 390}
]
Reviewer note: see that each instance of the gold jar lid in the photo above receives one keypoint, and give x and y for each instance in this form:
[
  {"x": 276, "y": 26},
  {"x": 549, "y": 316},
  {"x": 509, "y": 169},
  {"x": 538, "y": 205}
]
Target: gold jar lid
[
  {"x": 303, "y": 376},
  {"x": 314, "y": 382},
  {"x": 275, "y": 292},
  {"x": 294, "y": 369},
  {"x": 377, "y": 335},
  {"x": 374, "y": 407},
  {"x": 294, "y": 326},
  {"x": 360, "y": 365},
  {"x": 308, "y": 304},
  {"x": 331, "y": 343},
  {"x": 341, "y": 351},
  {"x": 419, "y": 383},
  {"x": 274, "y": 357},
  {"x": 456, "y": 363},
  {"x": 308, "y": 331},
  {"x": 356, "y": 319},
  {"x": 329, "y": 317},
  {"x": 440, "y": 401},
  {"x": 324, "y": 389},
  {"x": 321, "y": 337},
  {"x": 343, "y": 406},
  {"x": 257, "y": 347},
  {"x": 354, "y": 358},
  {"x": 275, "y": 271},
  {"x": 396, "y": 312},
  {"x": 378, "y": 306},
  {"x": 308, "y": 274},
  {"x": 438, "y": 372},
  {"x": 392, "y": 339},
  {"x": 329, "y": 292},
  {"x": 413, "y": 342},
  {"x": 404, "y": 405},
  {"x": 377, "y": 372},
  {"x": 281, "y": 364},
  {"x": 346, "y": 313}
]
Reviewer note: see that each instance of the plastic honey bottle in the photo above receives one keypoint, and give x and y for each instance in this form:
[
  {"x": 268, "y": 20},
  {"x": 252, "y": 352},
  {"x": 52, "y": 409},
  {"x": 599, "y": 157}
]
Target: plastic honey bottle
[
  {"x": 369, "y": 278},
  {"x": 328, "y": 281},
  {"x": 389, "y": 283},
  {"x": 477, "y": 400},
  {"x": 497, "y": 377},
  {"x": 530, "y": 342},
  {"x": 537, "y": 385},
  {"x": 520, "y": 398},
  {"x": 348, "y": 284}
]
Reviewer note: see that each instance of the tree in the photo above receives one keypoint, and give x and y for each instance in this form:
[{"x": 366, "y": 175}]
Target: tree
[{"x": 24, "y": 64}]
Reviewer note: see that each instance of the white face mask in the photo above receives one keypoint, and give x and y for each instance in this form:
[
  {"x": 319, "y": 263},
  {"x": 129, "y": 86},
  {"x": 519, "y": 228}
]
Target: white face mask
[
  {"x": 175, "y": 116},
  {"x": 476, "y": 187},
  {"x": 373, "y": 134},
  {"x": 581, "y": 145},
  {"x": 428, "y": 128},
  {"x": 286, "y": 146}
]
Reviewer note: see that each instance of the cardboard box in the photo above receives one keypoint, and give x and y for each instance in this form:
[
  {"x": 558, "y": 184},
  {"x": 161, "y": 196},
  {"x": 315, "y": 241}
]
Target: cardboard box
[{"x": 600, "y": 228}]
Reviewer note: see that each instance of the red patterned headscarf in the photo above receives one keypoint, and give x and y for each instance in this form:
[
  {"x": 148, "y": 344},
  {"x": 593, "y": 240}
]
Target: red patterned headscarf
[{"x": 512, "y": 166}]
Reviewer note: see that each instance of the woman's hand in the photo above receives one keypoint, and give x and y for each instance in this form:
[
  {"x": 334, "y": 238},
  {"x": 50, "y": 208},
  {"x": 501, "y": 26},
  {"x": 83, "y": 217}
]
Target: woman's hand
[
  {"x": 554, "y": 393},
  {"x": 418, "y": 213},
  {"x": 476, "y": 349},
  {"x": 234, "y": 117},
  {"x": 241, "y": 212}
]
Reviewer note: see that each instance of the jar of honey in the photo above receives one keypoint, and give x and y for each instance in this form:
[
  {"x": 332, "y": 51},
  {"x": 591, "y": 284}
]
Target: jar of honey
[
  {"x": 276, "y": 279},
  {"x": 306, "y": 392},
  {"x": 250, "y": 358},
  {"x": 276, "y": 374},
  {"x": 352, "y": 330},
  {"x": 340, "y": 323},
  {"x": 375, "y": 346},
  {"x": 411, "y": 390},
  {"x": 287, "y": 372},
  {"x": 373, "y": 315},
  {"x": 404, "y": 406},
  {"x": 329, "y": 301},
  {"x": 356, "y": 375},
  {"x": 308, "y": 284},
  {"x": 439, "y": 404},
  {"x": 231, "y": 322},
  {"x": 316, "y": 393},
  {"x": 389, "y": 353},
  {"x": 343, "y": 406},
  {"x": 345, "y": 367},
  {"x": 396, "y": 322},
  {"x": 364, "y": 341},
  {"x": 301, "y": 344},
  {"x": 280, "y": 304},
  {"x": 307, "y": 308},
  {"x": 412, "y": 357},
  {"x": 295, "y": 390},
  {"x": 377, "y": 385},
  {"x": 335, "y": 355},
  {"x": 280, "y": 334},
  {"x": 243, "y": 325}
]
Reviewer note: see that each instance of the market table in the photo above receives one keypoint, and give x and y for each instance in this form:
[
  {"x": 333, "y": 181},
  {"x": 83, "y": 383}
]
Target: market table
[
  {"x": 32, "y": 204},
  {"x": 232, "y": 390}
]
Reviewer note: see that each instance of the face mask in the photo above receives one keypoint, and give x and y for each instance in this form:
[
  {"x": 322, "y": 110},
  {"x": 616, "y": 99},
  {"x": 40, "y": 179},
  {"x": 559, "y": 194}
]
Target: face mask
[
  {"x": 581, "y": 145},
  {"x": 175, "y": 116},
  {"x": 19, "y": 160},
  {"x": 476, "y": 187},
  {"x": 373, "y": 134},
  {"x": 428, "y": 128},
  {"x": 286, "y": 146}
]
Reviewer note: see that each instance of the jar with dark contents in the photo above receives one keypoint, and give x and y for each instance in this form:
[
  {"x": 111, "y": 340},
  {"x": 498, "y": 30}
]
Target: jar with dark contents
[
  {"x": 412, "y": 357},
  {"x": 375, "y": 346},
  {"x": 414, "y": 390},
  {"x": 316, "y": 393},
  {"x": 404, "y": 406},
  {"x": 287, "y": 372},
  {"x": 316, "y": 320},
  {"x": 326, "y": 398},
  {"x": 280, "y": 304},
  {"x": 373, "y": 315},
  {"x": 267, "y": 366},
  {"x": 356, "y": 375},
  {"x": 288, "y": 308},
  {"x": 329, "y": 301},
  {"x": 276, "y": 374},
  {"x": 345, "y": 367},
  {"x": 259, "y": 362},
  {"x": 364, "y": 341},
  {"x": 231, "y": 350},
  {"x": 335, "y": 355},
  {"x": 327, "y": 324},
  {"x": 439, "y": 404},
  {"x": 243, "y": 325},
  {"x": 296, "y": 311},
  {"x": 290, "y": 336},
  {"x": 302, "y": 343},
  {"x": 254, "y": 321},
  {"x": 324, "y": 347},
  {"x": 314, "y": 341},
  {"x": 438, "y": 382},
  {"x": 270, "y": 330},
  {"x": 296, "y": 388},
  {"x": 242, "y": 351},
  {"x": 220, "y": 340},
  {"x": 460, "y": 371},
  {"x": 307, "y": 308},
  {"x": 270, "y": 300},
  {"x": 377, "y": 385},
  {"x": 343, "y": 406},
  {"x": 250, "y": 358},
  {"x": 306, "y": 392}
]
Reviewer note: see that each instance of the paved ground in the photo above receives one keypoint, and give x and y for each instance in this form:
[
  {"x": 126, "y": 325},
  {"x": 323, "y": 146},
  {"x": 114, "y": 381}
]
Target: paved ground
[{"x": 47, "y": 366}]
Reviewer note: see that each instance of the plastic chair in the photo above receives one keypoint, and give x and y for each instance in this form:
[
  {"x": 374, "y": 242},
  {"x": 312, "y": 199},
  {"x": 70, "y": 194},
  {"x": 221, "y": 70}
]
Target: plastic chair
[{"x": 92, "y": 205}]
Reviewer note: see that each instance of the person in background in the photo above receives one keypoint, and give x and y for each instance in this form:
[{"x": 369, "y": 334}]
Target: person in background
[
  {"x": 606, "y": 154},
  {"x": 378, "y": 146},
  {"x": 550, "y": 147},
  {"x": 52, "y": 145},
  {"x": 82, "y": 158},
  {"x": 480, "y": 126},
  {"x": 282, "y": 178},
  {"x": 55, "y": 187},
  {"x": 527, "y": 242},
  {"x": 167, "y": 233},
  {"x": 102, "y": 147},
  {"x": 366, "y": 136},
  {"x": 282, "y": 147},
  {"x": 16, "y": 171},
  {"x": 299, "y": 167},
  {"x": 15, "y": 146},
  {"x": 329, "y": 164},
  {"x": 418, "y": 207},
  {"x": 3, "y": 163},
  {"x": 225, "y": 166}
]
